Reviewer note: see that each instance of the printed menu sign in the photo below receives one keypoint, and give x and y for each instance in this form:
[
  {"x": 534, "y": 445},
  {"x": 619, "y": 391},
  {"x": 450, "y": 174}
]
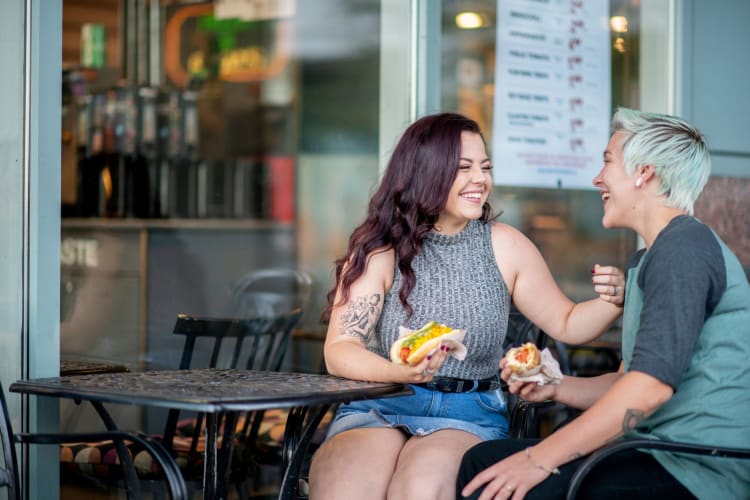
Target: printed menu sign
[{"x": 552, "y": 92}]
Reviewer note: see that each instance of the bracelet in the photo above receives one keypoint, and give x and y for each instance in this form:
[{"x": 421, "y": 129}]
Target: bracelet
[{"x": 554, "y": 471}]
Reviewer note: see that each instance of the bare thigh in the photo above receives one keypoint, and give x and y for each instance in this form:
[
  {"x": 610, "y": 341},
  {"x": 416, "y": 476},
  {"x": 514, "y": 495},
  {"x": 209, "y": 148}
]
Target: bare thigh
[
  {"x": 357, "y": 463},
  {"x": 428, "y": 465}
]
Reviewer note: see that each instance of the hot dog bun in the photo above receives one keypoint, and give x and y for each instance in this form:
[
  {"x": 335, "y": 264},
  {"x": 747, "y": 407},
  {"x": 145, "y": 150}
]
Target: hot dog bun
[
  {"x": 411, "y": 349},
  {"x": 524, "y": 360}
]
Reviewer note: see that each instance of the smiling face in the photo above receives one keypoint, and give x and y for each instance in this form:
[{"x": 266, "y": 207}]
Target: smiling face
[
  {"x": 618, "y": 189},
  {"x": 470, "y": 189}
]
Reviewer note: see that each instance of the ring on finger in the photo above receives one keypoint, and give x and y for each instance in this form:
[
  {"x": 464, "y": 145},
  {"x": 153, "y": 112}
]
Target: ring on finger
[
  {"x": 426, "y": 372},
  {"x": 614, "y": 290}
]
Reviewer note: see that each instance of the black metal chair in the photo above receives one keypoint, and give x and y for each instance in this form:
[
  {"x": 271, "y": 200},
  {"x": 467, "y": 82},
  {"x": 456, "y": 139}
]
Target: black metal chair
[
  {"x": 266, "y": 292},
  {"x": 251, "y": 343},
  {"x": 9, "y": 473},
  {"x": 628, "y": 444},
  {"x": 524, "y": 416}
]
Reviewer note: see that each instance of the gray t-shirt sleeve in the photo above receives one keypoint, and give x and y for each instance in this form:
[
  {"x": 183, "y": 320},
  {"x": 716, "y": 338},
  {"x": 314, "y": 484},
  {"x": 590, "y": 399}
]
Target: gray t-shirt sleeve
[{"x": 682, "y": 279}]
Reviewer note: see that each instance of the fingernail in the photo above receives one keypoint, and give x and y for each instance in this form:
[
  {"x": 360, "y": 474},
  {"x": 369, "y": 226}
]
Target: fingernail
[
  {"x": 443, "y": 347},
  {"x": 429, "y": 357},
  {"x": 593, "y": 269}
]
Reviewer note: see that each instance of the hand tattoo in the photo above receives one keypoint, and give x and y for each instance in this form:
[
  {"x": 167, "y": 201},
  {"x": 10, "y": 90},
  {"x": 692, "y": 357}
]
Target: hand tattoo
[{"x": 361, "y": 316}]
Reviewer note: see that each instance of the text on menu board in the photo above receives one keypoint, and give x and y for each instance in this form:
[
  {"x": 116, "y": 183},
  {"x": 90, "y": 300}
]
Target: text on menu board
[{"x": 552, "y": 92}]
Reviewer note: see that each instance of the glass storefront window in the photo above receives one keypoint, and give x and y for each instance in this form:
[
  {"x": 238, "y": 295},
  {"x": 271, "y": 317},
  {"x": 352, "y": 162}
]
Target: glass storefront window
[
  {"x": 564, "y": 223},
  {"x": 199, "y": 146}
]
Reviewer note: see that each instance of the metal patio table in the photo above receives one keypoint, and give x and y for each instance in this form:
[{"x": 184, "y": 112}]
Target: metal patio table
[{"x": 215, "y": 391}]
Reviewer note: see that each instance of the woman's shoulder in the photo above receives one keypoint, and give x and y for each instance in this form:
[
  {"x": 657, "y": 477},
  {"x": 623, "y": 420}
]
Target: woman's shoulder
[
  {"x": 382, "y": 256},
  {"x": 381, "y": 263},
  {"x": 505, "y": 234},
  {"x": 378, "y": 272}
]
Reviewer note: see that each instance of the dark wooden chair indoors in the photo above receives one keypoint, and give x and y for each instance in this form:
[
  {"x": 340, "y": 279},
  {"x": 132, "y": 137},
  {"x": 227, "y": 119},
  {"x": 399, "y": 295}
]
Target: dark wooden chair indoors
[
  {"x": 251, "y": 343},
  {"x": 128, "y": 445}
]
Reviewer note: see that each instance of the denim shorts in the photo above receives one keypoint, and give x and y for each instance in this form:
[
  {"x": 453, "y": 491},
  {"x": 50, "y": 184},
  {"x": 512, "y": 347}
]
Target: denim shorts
[{"x": 483, "y": 414}]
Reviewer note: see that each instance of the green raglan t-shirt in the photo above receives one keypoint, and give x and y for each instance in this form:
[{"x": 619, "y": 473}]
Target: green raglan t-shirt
[{"x": 686, "y": 322}]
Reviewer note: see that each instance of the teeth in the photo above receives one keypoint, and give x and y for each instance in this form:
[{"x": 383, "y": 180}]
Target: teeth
[
  {"x": 605, "y": 196},
  {"x": 473, "y": 196}
]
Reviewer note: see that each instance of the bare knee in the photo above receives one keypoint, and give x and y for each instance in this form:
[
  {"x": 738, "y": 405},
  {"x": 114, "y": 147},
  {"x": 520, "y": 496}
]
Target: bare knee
[
  {"x": 428, "y": 466},
  {"x": 355, "y": 464},
  {"x": 421, "y": 485}
]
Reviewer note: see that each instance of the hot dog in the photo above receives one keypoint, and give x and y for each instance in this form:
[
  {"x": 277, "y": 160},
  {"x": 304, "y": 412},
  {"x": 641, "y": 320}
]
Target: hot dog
[
  {"x": 411, "y": 349},
  {"x": 524, "y": 360}
]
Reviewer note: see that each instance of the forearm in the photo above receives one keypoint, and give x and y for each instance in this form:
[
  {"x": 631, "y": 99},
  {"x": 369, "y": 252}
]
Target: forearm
[
  {"x": 348, "y": 360},
  {"x": 582, "y": 392},
  {"x": 631, "y": 399},
  {"x": 588, "y": 320}
]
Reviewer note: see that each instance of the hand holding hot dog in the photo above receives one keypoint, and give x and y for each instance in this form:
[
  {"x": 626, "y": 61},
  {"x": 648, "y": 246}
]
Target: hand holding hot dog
[
  {"x": 413, "y": 346},
  {"x": 529, "y": 391},
  {"x": 422, "y": 352}
]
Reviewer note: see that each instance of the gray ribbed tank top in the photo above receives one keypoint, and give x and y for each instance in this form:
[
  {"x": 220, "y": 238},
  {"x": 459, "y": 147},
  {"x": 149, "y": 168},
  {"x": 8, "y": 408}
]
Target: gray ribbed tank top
[{"x": 460, "y": 285}]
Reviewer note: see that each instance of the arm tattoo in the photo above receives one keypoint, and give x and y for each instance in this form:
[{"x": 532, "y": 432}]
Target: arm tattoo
[
  {"x": 632, "y": 419},
  {"x": 361, "y": 316}
]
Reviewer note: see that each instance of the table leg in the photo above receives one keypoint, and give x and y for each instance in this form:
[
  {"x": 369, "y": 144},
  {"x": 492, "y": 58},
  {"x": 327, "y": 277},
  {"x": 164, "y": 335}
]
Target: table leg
[
  {"x": 209, "y": 460},
  {"x": 296, "y": 445},
  {"x": 132, "y": 486},
  {"x": 225, "y": 453}
]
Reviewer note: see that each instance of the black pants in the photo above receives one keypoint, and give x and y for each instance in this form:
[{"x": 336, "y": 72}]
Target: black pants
[{"x": 630, "y": 474}]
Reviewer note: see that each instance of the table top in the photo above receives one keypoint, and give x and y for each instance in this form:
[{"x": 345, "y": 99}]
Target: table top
[
  {"x": 70, "y": 366},
  {"x": 210, "y": 390}
]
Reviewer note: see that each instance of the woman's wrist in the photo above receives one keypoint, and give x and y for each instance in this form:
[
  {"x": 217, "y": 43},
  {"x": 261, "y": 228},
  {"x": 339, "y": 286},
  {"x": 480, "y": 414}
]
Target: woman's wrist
[{"x": 549, "y": 470}]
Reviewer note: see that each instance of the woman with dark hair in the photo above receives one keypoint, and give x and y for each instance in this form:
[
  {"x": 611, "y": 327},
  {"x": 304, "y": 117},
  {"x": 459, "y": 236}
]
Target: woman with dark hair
[{"x": 429, "y": 251}]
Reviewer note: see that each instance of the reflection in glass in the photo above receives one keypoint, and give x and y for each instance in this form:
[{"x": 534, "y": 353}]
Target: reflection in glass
[{"x": 564, "y": 223}]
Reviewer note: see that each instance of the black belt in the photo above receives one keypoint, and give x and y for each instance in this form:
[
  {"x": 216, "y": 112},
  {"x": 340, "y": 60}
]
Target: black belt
[{"x": 447, "y": 384}]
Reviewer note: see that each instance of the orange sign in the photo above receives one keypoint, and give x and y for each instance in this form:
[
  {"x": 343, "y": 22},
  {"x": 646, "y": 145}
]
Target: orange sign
[{"x": 186, "y": 57}]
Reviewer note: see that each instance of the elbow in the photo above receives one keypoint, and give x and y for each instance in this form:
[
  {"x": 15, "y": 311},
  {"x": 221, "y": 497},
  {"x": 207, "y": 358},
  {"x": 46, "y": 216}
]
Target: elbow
[
  {"x": 649, "y": 393},
  {"x": 329, "y": 359},
  {"x": 331, "y": 368},
  {"x": 658, "y": 395},
  {"x": 663, "y": 394}
]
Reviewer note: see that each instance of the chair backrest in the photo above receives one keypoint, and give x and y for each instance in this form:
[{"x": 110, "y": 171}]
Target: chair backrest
[
  {"x": 521, "y": 330},
  {"x": 257, "y": 343},
  {"x": 246, "y": 343},
  {"x": 266, "y": 292},
  {"x": 9, "y": 467},
  {"x": 524, "y": 418}
]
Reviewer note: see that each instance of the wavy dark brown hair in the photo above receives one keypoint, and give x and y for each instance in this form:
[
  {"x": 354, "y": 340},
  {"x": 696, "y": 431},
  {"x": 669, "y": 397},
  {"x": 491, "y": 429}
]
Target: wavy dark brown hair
[{"x": 405, "y": 207}]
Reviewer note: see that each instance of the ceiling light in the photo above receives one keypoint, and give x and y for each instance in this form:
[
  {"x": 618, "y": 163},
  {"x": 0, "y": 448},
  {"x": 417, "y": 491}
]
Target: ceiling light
[
  {"x": 469, "y": 20},
  {"x": 619, "y": 24}
]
